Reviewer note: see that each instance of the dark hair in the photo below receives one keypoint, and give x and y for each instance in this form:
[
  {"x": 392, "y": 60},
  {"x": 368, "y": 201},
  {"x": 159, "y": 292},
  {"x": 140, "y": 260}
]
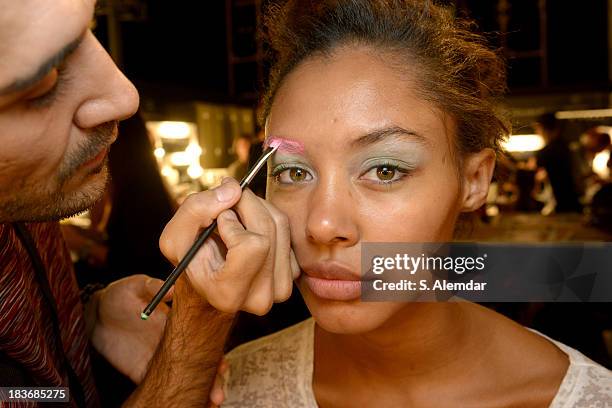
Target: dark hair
[{"x": 456, "y": 70}]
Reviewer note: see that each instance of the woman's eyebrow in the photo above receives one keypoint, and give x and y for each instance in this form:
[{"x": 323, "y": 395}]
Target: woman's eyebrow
[{"x": 392, "y": 131}]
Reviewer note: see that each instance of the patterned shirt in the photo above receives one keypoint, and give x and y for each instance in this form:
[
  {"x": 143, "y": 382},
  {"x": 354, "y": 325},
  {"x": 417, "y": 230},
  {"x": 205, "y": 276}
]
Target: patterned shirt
[
  {"x": 277, "y": 370},
  {"x": 27, "y": 331}
]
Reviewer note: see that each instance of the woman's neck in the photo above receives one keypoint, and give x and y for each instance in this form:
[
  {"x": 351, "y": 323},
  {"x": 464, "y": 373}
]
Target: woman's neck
[
  {"x": 422, "y": 340},
  {"x": 456, "y": 351}
]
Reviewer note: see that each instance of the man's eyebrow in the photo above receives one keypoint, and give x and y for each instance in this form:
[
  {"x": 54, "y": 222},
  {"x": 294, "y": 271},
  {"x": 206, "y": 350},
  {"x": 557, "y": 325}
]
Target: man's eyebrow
[
  {"x": 22, "y": 84},
  {"x": 382, "y": 133}
]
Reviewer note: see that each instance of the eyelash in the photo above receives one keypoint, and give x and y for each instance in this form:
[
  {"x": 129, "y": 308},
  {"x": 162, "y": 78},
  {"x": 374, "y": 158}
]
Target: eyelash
[
  {"x": 51, "y": 95},
  {"x": 404, "y": 172},
  {"x": 278, "y": 170}
]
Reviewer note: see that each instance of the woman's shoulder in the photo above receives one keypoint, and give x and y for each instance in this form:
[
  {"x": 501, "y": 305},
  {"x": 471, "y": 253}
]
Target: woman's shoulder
[
  {"x": 557, "y": 371},
  {"x": 586, "y": 383},
  {"x": 275, "y": 370}
]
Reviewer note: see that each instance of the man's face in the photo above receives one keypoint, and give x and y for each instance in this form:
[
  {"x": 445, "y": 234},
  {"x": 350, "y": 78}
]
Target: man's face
[{"x": 61, "y": 96}]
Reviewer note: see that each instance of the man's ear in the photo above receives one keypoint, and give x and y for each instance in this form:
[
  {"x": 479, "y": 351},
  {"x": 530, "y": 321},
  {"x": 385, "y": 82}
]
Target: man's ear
[{"x": 477, "y": 173}]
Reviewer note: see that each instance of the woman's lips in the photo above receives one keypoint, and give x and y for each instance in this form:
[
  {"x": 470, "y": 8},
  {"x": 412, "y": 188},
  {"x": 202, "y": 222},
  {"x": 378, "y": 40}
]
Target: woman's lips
[
  {"x": 332, "y": 281},
  {"x": 333, "y": 289}
]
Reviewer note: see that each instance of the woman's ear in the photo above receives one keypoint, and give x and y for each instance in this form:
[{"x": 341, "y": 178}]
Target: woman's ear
[{"x": 477, "y": 173}]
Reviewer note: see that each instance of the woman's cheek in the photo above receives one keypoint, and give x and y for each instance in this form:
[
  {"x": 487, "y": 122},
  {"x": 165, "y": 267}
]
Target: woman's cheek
[
  {"x": 417, "y": 215},
  {"x": 294, "y": 206}
]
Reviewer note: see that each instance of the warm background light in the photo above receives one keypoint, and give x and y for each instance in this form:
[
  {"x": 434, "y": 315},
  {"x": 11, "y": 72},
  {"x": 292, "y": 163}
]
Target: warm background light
[
  {"x": 159, "y": 152},
  {"x": 181, "y": 159},
  {"x": 600, "y": 164},
  {"x": 195, "y": 171},
  {"x": 584, "y": 114},
  {"x": 524, "y": 143},
  {"x": 171, "y": 129},
  {"x": 194, "y": 150}
]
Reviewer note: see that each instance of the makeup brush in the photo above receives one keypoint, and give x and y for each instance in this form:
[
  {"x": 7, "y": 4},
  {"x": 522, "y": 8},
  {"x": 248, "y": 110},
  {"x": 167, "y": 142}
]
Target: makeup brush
[{"x": 271, "y": 146}]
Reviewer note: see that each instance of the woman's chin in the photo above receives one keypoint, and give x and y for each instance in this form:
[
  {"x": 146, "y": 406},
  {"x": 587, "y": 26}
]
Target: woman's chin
[{"x": 348, "y": 316}]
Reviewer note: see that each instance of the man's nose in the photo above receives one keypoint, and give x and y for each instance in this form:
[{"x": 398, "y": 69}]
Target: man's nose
[{"x": 111, "y": 96}]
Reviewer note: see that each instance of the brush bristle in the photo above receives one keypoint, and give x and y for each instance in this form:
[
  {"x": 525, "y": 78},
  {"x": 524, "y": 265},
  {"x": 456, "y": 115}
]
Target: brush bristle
[{"x": 275, "y": 143}]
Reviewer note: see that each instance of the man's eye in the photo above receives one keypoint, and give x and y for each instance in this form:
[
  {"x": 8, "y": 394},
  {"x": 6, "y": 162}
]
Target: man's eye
[{"x": 44, "y": 86}]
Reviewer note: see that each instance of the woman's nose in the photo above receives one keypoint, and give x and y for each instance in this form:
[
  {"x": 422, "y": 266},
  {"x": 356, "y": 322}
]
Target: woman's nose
[{"x": 331, "y": 218}]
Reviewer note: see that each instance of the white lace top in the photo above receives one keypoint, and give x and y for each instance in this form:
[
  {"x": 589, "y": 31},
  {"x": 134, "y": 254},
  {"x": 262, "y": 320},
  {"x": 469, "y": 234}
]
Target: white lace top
[{"x": 276, "y": 371}]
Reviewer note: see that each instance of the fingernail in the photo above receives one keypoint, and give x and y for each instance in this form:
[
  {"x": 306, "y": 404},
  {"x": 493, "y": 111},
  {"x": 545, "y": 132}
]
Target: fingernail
[
  {"x": 224, "y": 192},
  {"x": 229, "y": 215},
  {"x": 226, "y": 180}
]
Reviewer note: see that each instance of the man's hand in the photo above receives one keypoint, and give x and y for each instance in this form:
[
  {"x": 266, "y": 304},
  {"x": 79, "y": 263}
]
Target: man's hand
[
  {"x": 119, "y": 334},
  {"x": 187, "y": 368},
  {"x": 246, "y": 266},
  {"x": 249, "y": 264}
]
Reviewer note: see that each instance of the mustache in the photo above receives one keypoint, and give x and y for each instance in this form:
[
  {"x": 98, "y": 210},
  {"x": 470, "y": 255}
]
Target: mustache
[{"x": 97, "y": 139}]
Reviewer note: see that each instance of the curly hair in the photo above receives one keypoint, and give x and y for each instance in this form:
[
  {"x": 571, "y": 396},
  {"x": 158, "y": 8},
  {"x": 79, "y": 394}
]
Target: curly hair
[{"x": 456, "y": 70}]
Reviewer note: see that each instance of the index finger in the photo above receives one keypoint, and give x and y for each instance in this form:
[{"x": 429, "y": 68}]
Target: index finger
[{"x": 197, "y": 212}]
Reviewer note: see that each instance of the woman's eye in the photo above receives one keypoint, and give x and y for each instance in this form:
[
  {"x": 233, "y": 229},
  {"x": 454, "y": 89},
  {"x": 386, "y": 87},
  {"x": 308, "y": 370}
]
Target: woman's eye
[
  {"x": 293, "y": 175},
  {"x": 384, "y": 174}
]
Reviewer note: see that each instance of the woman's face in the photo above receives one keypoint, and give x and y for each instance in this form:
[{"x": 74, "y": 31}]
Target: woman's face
[{"x": 378, "y": 166}]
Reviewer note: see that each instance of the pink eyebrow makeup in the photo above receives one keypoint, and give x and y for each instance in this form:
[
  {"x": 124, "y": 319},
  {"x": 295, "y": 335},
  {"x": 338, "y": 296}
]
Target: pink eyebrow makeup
[{"x": 284, "y": 145}]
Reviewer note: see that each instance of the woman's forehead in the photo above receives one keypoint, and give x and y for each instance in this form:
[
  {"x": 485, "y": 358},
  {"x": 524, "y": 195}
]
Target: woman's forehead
[{"x": 350, "y": 93}]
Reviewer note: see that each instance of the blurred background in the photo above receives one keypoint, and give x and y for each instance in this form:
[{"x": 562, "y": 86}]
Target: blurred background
[{"x": 200, "y": 67}]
